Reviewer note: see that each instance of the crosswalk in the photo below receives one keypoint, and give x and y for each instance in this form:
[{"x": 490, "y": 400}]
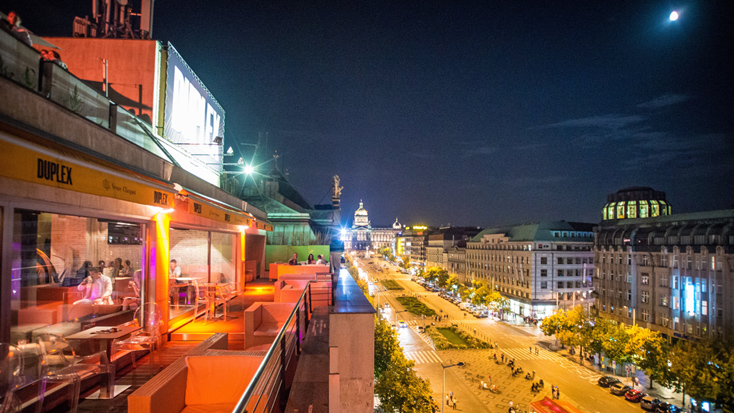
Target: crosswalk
[
  {"x": 524, "y": 354},
  {"x": 423, "y": 357}
]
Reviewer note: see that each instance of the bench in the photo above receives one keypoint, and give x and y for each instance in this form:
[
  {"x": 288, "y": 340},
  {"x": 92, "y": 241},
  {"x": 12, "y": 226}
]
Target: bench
[{"x": 263, "y": 321}]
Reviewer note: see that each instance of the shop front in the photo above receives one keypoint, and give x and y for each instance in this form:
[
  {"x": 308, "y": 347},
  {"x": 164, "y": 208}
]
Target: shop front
[{"x": 86, "y": 244}]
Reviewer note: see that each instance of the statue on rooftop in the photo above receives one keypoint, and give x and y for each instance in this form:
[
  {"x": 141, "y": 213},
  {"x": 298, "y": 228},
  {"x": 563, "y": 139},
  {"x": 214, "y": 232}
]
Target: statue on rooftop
[{"x": 336, "y": 189}]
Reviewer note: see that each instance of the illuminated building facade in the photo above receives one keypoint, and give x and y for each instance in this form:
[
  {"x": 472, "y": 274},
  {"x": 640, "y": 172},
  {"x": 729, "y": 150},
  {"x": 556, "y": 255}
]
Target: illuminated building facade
[
  {"x": 670, "y": 273},
  {"x": 362, "y": 236},
  {"x": 538, "y": 266}
]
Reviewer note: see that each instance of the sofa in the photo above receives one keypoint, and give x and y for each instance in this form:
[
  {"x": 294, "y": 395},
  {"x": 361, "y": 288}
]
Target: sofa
[
  {"x": 208, "y": 379},
  {"x": 263, "y": 321}
]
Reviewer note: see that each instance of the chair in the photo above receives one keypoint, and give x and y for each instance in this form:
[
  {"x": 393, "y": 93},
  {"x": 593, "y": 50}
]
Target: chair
[
  {"x": 10, "y": 376},
  {"x": 201, "y": 296},
  {"x": 219, "y": 294},
  {"x": 59, "y": 364},
  {"x": 148, "y": 317}
]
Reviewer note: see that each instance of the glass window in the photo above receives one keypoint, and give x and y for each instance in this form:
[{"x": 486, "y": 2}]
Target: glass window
[
  {"x": 611, "y": 210},
  {"x": 70, "y": 273},
  {"x": 543, "y": 273},
  {"x": 560, "y": 284},
  {"x": 544, "y": 285},
  {"x": 544, "y": 260},
  {"x": 654, "y": 208},
  {"x": 560, "y": 273},
  {"x": 643, "y": 209},
  {"x": 631, "y": 209},
  {"x": 620, "y": 210}
]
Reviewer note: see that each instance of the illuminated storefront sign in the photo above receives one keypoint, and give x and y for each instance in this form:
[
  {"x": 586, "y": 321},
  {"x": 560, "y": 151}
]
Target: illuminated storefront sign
[
  {"x": 217, "y": 214},
  {"x": 31, "y": 166},
  {"x": 193, "y": 117}
]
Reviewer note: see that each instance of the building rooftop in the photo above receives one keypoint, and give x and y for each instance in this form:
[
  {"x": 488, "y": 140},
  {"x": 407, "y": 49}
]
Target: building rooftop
[{"x": 542, "y": 231}]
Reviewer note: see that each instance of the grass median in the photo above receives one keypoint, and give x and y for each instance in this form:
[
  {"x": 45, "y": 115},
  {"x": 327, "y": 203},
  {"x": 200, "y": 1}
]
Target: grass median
[
  {"x": 391, "y": 285},
  {"x": 415, "y": 307}
]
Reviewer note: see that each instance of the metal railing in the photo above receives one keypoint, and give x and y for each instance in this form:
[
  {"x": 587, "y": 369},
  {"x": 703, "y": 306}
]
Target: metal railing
[{"x": 268, "y": 385}]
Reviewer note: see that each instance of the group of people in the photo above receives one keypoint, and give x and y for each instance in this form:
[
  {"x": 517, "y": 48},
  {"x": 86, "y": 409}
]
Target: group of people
[
  {"x": 451, "y": 400},
  {"x": 98, "y": 282},
  {"x": 309, "y": 261}
]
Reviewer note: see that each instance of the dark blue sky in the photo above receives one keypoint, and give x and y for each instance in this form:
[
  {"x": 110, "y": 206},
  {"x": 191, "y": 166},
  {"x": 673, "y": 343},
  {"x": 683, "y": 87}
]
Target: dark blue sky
[{"x": 470, "y": 113}]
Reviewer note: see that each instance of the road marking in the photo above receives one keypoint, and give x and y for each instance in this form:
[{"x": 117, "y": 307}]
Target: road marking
[
  {"x": 423, "y": 357},
  {"x": 524, "y": 354}
]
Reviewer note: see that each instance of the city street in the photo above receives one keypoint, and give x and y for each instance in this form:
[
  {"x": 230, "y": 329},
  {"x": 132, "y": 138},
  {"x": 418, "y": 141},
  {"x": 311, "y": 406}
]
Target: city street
[{"x": 577, "y": 384}]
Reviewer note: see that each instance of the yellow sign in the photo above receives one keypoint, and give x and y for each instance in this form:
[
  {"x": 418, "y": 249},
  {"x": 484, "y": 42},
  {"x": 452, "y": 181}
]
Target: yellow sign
[
  {"x": 217, "y": 214},
  {"x": 419, "y": 227},
  {"x": 31, "y": 166}
]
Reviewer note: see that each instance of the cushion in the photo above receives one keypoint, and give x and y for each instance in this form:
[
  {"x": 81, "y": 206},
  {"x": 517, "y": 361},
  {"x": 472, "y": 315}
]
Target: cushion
[{"x": 215, "y": 380}]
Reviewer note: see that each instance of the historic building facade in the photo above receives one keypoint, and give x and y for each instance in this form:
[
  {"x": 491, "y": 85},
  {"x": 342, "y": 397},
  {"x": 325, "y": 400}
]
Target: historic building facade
[
  {"x": 539, "y": 266},
  {"x": 669, "y": 273},
  {"x": 362, "y": 236}
]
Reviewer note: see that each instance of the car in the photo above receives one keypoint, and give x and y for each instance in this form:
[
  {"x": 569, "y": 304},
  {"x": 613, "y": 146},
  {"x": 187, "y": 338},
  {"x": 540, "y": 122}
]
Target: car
[
  {"x": 634, "y": 395},
  {"x": 420, "y": 329},
  {"x": 619, "y": 389},
  {"x": 402, "y": 323},
  {"x": 482, "y": 314},
  {"x": 607, "y": 381},
  {"x": 667, "y": 408},
  {"x": 650, "y": 403}
]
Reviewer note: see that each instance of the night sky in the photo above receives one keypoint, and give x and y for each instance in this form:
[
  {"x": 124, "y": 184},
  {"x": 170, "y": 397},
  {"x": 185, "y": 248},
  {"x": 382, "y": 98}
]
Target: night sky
[{"x": 466, "y": 113}]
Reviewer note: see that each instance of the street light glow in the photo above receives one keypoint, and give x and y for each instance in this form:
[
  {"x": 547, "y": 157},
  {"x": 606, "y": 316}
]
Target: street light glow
[
  {"x": 674, "y": 16},
  {"x": 249, "y": 169}
]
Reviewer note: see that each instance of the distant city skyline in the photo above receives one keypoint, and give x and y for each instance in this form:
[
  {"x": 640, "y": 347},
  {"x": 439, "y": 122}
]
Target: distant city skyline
[{"x": 471, "y": 113}]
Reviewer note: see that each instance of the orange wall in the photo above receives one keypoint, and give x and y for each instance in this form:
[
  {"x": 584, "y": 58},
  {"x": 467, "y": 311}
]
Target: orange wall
[{"x": 131, "y": 68}]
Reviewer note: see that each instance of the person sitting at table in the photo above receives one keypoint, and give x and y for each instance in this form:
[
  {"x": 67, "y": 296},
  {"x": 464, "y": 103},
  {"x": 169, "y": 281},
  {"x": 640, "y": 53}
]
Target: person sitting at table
[
  {"x": 310, "y": 259},
  {"x": 133, "y": 302},
  {"x": 294, "y": 260},
  {"x": 321, "y": 261},
  {"x": 127, "y": 269},
  {"x": 97, "y": 288},
  {"x": 174, "y": 271}
]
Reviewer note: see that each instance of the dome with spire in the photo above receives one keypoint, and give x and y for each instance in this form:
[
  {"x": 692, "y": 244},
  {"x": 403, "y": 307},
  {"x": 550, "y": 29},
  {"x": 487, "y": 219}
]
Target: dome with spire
[
  {"x": 361, "y": 218},
  {"x": 396, "y": 224}
]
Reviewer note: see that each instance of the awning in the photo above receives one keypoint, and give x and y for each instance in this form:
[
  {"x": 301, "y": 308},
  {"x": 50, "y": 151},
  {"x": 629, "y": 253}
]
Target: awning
[
  {"x": 29, "y": 163},
  {"x": 203, "y": 206}
]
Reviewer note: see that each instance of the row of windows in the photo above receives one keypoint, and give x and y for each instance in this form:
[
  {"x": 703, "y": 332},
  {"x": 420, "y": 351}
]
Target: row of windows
[
  {"x": 567, "y": 284},
  {"x": 663, "y": 260},
  {"x": 525, "y": 247}
]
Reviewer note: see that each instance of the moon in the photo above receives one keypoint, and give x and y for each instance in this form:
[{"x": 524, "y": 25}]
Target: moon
[{"x": 674, "y": 16}]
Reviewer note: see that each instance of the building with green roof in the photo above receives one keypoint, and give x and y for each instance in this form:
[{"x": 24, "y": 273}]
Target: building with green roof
[{"x": 538, "y": 266}]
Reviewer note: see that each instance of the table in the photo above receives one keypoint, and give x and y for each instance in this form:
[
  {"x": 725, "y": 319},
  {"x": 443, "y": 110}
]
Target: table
[
  {"x": 179, "y": 283},
  {"x": 105, "y": 339}
]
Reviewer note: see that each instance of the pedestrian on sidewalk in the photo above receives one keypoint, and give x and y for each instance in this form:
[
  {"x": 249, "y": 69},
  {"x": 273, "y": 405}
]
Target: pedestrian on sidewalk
[
  {"x": 537, "y": 350},
  {"x": 530, "y": 349},
  {"x": 454, "y": 404},
  {"x": 447, "y": 400}
]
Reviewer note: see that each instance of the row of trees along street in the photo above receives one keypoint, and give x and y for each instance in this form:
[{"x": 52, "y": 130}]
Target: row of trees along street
[
  {"x": 397, "y": 385},
  {"x": 702, "y": 369},
  {"x": 479, "y": 292}
]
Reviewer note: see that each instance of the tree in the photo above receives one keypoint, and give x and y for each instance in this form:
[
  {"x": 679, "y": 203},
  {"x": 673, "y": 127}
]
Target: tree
[
  {"x": 649, "y": 351},
  {"x": 615, "y": 347},
  {"x": 406, "y": 261},
  {"x": 438, "y": 275},
  {"x": 480, "y": 295},
  {"x": 453, "y": 281},
  {"x": 396, "y": 383},
  {"x": 703, "y": 370}
]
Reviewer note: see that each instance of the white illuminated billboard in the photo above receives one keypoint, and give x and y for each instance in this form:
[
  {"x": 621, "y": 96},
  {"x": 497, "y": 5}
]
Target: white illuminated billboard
[{"x": 193, "y": 117}]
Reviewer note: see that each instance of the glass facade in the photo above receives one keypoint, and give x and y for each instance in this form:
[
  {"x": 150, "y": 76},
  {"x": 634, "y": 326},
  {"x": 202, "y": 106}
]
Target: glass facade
[
  {"x": 70, "y": 273},
  {"x": 198, "y": 257}
]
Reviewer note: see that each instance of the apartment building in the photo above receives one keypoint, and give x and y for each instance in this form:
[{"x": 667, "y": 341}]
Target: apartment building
[{"x": 538, "y": 266}]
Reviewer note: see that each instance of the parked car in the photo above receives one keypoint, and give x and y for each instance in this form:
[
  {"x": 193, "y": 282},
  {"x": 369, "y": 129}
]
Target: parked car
[
  {"x": 634, "y": 395},
  {"x": 402, "y": 323},
  {"x": 667, "y": 408},
  {"x": 420, "y": 329},
  {"x": 619, "y": 389},
  {"x": 482, "y": 314},
  {"x": 607, "y": 381},
  {"x": 650, "y": 403}
]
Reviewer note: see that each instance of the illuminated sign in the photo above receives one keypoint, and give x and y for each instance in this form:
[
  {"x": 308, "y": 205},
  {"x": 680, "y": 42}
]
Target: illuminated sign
[
  {"x": 193, "y": 117},
  {"x": 28, "y": 165},
  {"x": 419, "y": 227}
]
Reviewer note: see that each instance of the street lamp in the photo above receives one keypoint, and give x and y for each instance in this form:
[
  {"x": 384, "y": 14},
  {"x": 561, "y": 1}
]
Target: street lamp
[{"x": 443, "y": 384}]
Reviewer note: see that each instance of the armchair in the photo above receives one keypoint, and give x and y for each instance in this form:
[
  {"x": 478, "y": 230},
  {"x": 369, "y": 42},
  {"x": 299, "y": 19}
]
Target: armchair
[{"x": 10, "y": 380}]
